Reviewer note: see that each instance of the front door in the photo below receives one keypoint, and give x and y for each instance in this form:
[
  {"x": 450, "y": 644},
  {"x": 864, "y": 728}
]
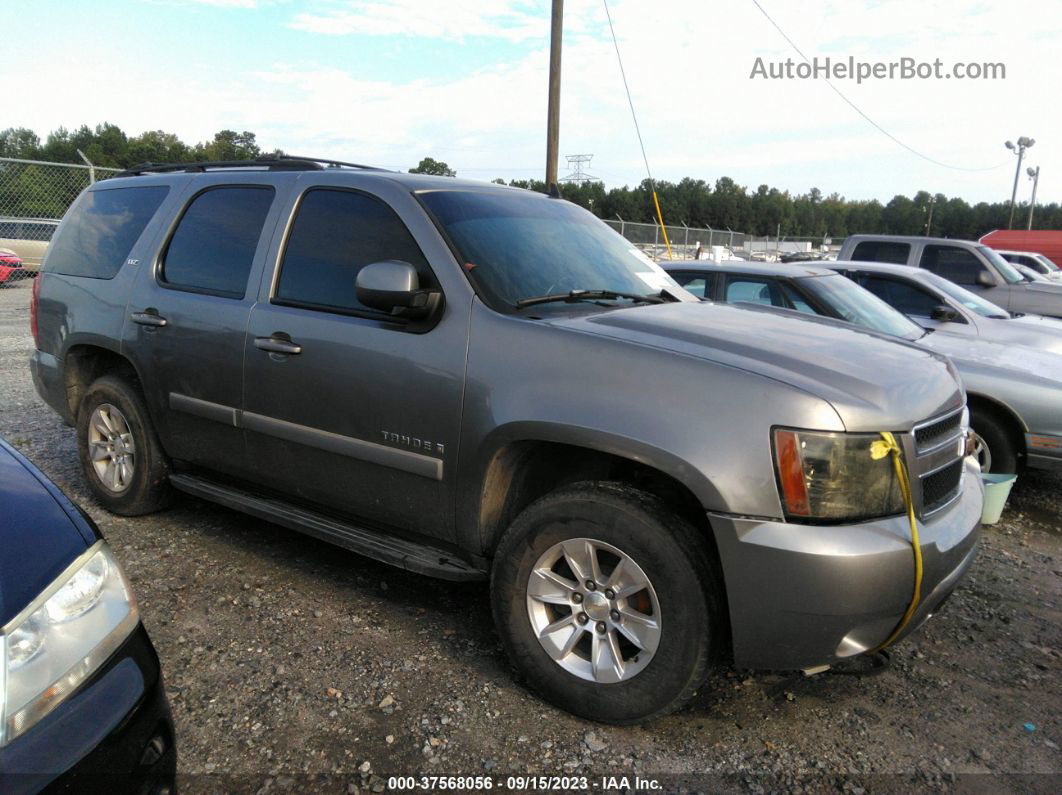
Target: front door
[{"x": 346, "y": 409}]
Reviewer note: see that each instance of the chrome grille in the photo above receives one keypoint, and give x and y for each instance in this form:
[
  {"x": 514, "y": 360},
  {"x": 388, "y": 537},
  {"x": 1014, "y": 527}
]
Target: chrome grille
[
  {"x": 939, "y": 487},
  {"x": 932, "y": 434},
  {"x": 938, "y": 461}
]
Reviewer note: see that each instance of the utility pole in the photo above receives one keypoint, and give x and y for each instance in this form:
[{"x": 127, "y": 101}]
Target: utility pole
[
  {"x": 929, "y": 221},
  {"x": 1023, "y": 144},
  {"x": 1034, "y": 175},
  {"x": 553, "y": 112}
]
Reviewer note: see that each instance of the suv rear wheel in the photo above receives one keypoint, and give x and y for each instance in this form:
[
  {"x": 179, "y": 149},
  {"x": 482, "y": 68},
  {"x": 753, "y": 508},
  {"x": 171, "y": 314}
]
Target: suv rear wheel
[
  {"x": 121, "y": 457},
  {"x": 608, "y": 602}
]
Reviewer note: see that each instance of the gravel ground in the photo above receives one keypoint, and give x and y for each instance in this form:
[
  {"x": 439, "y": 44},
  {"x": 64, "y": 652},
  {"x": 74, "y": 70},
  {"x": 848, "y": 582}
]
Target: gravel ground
[{"x": 294, "y": 665}]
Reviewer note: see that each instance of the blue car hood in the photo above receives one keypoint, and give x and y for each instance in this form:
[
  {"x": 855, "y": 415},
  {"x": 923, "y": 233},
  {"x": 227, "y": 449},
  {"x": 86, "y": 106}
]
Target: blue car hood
[{"x": 41, "y": 533}]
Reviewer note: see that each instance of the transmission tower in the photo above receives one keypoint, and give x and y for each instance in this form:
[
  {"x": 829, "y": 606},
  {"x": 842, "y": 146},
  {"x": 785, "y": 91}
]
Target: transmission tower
[{"x": 575, "y": 165}]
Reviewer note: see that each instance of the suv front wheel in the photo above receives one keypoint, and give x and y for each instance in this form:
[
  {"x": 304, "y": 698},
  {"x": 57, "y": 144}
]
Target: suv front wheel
[
  {"x": 121, "y": 457},
  {"x": 608, "y": 602}
]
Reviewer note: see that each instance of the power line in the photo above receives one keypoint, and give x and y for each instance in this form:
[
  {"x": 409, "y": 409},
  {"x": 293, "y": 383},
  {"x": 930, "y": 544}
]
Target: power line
[
  {"x": 858, "y": 110},
  {"x": 652, "y": 185}
]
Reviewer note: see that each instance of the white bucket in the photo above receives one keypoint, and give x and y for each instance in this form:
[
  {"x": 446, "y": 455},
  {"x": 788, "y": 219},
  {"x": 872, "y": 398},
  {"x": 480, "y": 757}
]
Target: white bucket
[{"x": 997, "y": 489}]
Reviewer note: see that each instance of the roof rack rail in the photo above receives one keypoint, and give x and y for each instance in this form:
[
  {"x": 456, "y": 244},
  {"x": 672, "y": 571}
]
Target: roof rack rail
[{"x": 269, "y": 162}]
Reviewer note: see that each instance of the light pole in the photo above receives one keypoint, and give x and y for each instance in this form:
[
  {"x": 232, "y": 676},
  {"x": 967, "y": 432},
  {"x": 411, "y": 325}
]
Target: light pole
[
  {"x": 553, "y": 110},
  {"x": 1034, "y": 175},
  {"x": 1019, "y": 149}
]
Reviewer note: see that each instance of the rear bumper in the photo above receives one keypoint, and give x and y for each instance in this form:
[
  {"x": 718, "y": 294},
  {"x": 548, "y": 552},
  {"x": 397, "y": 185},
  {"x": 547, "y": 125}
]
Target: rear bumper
[
  {"x": 807, "y": 595},
  {"x": 114, "y": 735},
  {"x": 48, "y": 381},
  {"x": 1043, "y": 452}
]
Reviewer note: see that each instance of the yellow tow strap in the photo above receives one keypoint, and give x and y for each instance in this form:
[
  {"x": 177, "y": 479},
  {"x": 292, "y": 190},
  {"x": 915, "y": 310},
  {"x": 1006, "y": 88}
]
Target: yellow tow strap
[{"x": 879, "y": 450}]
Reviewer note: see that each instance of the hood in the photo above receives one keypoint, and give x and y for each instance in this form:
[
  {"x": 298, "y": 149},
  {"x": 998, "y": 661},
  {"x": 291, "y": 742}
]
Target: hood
[
  {"x": 1010, "y": 361},
  {"x": 1034, "y": 331},
  {"x": 1045, "y": 286},
  {"x": 872, "y": 381},
  {"x": 39, "y": 535}
]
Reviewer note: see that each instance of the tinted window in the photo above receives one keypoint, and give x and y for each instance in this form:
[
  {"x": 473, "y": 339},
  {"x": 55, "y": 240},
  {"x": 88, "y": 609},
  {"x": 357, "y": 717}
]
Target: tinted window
[
  {"x": 902, "y": 296},
  {"x": 213, "y": 246},
  {"x": 517, "y": 244},
  {"x": 953, "y": 263},
  {"x": 335, "y": 234},
  {"x": 754, "y": 291},
  {"x": 882, "y": 251},
  {"x": 848, "y": 301},
  {"x": 696, "y": 283},
  {"x": 100, "y": 230},
  {"x": 796, "y": 300}
]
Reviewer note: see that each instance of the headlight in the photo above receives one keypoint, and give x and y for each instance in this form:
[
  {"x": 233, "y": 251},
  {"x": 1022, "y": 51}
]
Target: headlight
[
  {"x": 61, "y": 638},
  {"x": 833, "y": 477}
]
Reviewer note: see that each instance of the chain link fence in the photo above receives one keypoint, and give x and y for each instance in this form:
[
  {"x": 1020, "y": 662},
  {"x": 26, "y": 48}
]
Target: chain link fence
[{"x": 34, "y": 195}]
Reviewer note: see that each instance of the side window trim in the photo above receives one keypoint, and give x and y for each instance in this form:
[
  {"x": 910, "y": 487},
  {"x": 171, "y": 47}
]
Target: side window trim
[
  {"x": 285, "y": 238},
  {"x": 167, "y": 238}
]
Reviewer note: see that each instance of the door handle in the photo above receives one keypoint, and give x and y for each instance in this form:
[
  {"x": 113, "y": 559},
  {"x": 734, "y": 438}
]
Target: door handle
[
  {"x": 277, "y": 344},
  {"x": 149, "y": 317}
]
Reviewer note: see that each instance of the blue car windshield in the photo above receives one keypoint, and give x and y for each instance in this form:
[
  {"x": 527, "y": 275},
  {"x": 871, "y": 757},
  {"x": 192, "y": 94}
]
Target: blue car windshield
[
  {"x": 516, "y": 245},
  {"x": 851, "y": 302}
]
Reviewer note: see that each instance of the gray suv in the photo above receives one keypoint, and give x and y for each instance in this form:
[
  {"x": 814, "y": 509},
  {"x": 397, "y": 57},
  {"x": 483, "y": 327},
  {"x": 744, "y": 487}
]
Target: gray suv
[
  {"x": 973, "y": 265},
  {"x": 471, "y": 381}
]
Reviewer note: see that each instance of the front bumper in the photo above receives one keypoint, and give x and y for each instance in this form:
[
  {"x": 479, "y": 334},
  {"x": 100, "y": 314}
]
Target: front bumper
[
  {"x": 801, "y": 596},
  {"x": 114, "y": 735}
]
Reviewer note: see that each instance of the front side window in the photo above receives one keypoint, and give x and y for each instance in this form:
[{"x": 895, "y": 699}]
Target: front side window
[
  {"x": 848, "y": 301},
  {"x": 901, "y": 296},
  {"x": 213, "y": 247},
  {"x": 518, "y": 244},
  {"x": 956, "y": 264},
  {"x": 753, "y": 291},
  {"x": 695, "y": 283},
  {"x": 1006, "y": 270},
  {"x": 882, "y": 251},
  {"x": 101, "y": 229},
  {"x": 335, "y": 234}
]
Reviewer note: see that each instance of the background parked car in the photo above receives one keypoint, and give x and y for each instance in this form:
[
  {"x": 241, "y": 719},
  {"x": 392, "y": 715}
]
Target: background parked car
[
  {"x": 972, "y": 265},
  {"x": 1013, "y": 392},
  {"x": 1047, "y": 242},
  {"x": 1031, "y": 259},
  {"x": 82, "y": 706},
  {"x": 28, "y": 238},
  {"x": 10, "y": 266}
]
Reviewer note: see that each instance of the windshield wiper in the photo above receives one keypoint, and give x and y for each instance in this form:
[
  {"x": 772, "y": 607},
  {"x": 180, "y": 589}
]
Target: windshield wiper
[{"x": 589, "y": 295}]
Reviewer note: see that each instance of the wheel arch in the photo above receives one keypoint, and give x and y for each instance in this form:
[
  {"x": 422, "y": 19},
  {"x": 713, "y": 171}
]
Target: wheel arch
[
  {"x": 83, "y": 363},
  {"x": 1010, "y": 419}
]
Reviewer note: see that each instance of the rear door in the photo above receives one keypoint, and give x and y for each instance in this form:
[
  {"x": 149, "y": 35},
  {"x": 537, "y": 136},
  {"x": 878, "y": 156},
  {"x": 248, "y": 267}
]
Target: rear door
[
  {"x": 346, "y": 408},
  {"x": 188, "y": 317}
]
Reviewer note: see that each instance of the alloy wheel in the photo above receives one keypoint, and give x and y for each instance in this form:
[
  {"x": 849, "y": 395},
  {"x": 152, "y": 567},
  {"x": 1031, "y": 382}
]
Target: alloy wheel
[{"x": 111, "y": 447}]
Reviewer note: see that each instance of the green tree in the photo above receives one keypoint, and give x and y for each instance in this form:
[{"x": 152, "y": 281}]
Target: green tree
[{"x": 429, "y": 165}]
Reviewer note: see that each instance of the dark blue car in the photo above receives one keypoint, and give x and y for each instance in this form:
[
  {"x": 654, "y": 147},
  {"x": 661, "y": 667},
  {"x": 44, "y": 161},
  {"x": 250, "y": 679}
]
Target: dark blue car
[{"x": 82, "y": 705}]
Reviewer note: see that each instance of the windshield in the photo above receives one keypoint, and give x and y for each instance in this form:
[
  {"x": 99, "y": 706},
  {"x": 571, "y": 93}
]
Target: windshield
[
  {"x": 1047, "y": 263},
  {"x": 519, "y": 245},
  {"x": 971, "y": 301},
  {"x": 1006, "y": 269},
  {"x": 856, "y": 305}
]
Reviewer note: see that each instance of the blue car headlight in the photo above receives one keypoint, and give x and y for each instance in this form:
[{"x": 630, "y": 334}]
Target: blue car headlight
[{"x": 61, "y": 638}]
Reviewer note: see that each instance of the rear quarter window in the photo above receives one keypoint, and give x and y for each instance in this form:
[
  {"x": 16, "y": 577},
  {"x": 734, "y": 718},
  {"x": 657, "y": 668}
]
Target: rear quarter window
[
  {"x": 101, "y": 229},
  {"x": 882, "y": 251}
]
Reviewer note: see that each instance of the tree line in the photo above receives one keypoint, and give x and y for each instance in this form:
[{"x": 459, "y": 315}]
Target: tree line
[{"x": 691, "y": 202}]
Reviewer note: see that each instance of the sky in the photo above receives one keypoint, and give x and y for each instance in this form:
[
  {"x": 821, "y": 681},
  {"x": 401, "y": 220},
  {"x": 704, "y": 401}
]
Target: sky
[{"x": 388, "y": 82}]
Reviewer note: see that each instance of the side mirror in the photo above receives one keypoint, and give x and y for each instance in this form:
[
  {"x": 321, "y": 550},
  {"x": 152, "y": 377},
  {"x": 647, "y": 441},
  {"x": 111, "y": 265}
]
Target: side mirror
[
  {"x": 984, "y": 278},
  {"x": 393, "y": 285},
  {"x": 943, "y": 313}
]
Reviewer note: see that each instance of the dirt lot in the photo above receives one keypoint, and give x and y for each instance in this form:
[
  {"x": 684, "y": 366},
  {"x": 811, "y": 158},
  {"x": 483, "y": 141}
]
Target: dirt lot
[{"x": 293, "y": 665}]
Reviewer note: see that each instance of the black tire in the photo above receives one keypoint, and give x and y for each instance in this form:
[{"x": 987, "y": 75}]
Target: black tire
[
  {"x": 148, "y": 489},
  {"x": 997, "y": 438},
  {"x": 672, "y": 554}
]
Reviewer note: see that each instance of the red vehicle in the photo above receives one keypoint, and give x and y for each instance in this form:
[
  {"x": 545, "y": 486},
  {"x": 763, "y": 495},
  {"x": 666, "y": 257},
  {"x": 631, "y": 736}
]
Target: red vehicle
[
  {"x": 1043, "y": 241},
  {"x": 10, "y": 266}
]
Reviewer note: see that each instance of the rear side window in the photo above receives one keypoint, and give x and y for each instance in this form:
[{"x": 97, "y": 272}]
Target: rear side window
[
  {"x": 882, "y": 251},
  {"x": 335, "y": 234},
  {"x": 955, "y": 264},
  {"x": 695, "y": 283},
  {"x": 101, "y": 229},
  {"x": 213, "y": 247},
  {"x": 753, "y": 291}
]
